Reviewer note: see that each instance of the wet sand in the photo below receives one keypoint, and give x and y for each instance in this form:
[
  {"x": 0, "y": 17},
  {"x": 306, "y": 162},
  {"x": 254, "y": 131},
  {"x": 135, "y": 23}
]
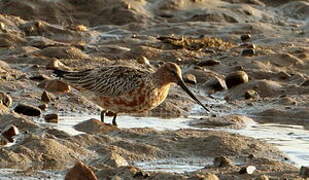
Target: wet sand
[{"x": 246, "y": 60}]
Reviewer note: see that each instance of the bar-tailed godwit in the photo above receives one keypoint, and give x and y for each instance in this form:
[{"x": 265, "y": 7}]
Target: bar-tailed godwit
[{"x": 122, "y": 89}]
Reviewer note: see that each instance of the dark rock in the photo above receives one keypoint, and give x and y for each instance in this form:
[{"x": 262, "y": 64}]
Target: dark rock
[
  {"x": 222, "y": 162},
  {"x": 247, "y": 170},
  {"x": 236, "y": 78},
  {"x": 9, "y": 132},
  {"x": 80, "y": 172},
  {"x": 304, "y": 172},
  {"x": 52, "y": 118},
  {"x": 216, "y": 83},
  {"x": 247, "y": 52},
  {"x": 5, "y": 99},
  {"x": 208, "y": 63},
  {"x": 189, "y": 78},
  {"x": 39, "y": 77},
  {"x": 305, "y": 83},
  {"x": 251, "y": 94},
  {"x": 45, "y": 97},
  {"x": 248, "y": 45},
  {"x": 27, "y": 110},
  {"x": 245, "y": 37},
  {"x": 43, "y": 107},
  {"x": 3, "y": 141}
]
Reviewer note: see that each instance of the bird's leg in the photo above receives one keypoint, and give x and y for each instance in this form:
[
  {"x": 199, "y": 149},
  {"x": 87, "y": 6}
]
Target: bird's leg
[
  {"x": 114, "y": 120},
  {"x": 103, "y": 115}
]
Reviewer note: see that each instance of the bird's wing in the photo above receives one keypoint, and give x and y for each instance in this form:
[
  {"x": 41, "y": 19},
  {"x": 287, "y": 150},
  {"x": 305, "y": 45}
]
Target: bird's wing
[{"x": 108, "y": 81}]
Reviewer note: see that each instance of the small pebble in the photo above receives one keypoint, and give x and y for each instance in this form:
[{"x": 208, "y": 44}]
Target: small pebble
[
  {"x": 43, "y": 107},
  {"x": 245, "y": 37},
  {"x": 247, "y": 52},
  {"x": 236, "y": 78},
  {"x": 222, "y": 162},
  {"x": 189, "y": 78},
  {"x": 27, "y": 110},
  {"x": 51, "y": 118},
  {"x": 45, "y": 97},
  {"x": 247, "y": 170},
  {"x": 9, "y": 132},
  {"x": 208, "y": 63}
]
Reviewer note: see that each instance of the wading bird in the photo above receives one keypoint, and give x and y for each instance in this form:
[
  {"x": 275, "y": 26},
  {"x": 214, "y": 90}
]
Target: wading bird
[{"x": 122, "y": 89}]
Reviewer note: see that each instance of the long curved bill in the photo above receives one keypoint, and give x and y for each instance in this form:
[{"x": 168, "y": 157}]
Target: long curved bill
[{"x": 186, "y": 89}]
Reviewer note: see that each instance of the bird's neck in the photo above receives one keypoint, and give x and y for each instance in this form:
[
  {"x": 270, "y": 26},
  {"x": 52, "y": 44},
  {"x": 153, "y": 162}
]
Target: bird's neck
[{"x": 160, "y": 78}]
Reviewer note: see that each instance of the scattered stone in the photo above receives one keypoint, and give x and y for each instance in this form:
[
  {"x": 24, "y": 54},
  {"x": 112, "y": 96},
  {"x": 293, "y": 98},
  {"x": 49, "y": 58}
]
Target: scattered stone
[
  {"x": 51, "y": 118},
  {"x": 55, "y": 86},
  {"x": 5, "y": 99},
  {"x": 45, "y": 97},
  {"x": 262, "y": 177},
  {"x": 3, "y": 141},
  {"x": 9, "y": 132},
  {"x": 27, "y": 110},
  {"x": 55, "y": 64},
  {"x": 251, "y": 94},
  {"x": 236, "y": 78},
  {"x": 216, "y": 83},
  {"x": 189, "y": 78},
  {"x": 304, "y": 172},
  {"x": 247, "y": 52},
  {"x": 222, "y": 162},
  {"x": 43, "y": 107},
  {"x": 208, "y": 63},
  {"x": 305, "y": 83},
  {"x": 40, "y": 77},
  {"x": 80, "y": 172},
  {"x": 247, "y": 170},
  {"x": 245, "y": 37}
]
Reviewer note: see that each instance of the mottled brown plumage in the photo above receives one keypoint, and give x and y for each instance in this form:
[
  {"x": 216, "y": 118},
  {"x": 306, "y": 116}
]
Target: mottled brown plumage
[{"x": 123, "y": 89}]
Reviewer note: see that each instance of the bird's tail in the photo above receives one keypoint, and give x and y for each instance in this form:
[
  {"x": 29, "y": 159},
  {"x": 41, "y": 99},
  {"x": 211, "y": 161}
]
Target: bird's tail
[{"x": 60, "y": 73}]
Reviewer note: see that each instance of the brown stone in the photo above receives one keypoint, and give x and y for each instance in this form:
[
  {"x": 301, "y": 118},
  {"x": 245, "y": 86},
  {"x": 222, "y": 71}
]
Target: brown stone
[
  {"x": 216, "y": 83},
  {"x": 43, "y": 107},
  {"x": 245, "y": 37},
  {"x": 5, "y": 99},
  {"x": 189, "y": 78},
  {"x": 45, "y": 97},
  {"x": 247, "y": 170},
  {"x": 55, "y": 86},
  {"x": 9, "y": 132},
  {"x": 208, "y": 63},
  {"x": 251, "y": 94},
  {"x": 236, "y": 78},
  {"x": 222, "y": 162},
  {"x": 27, "y": 110},
  {"x": 247, "y": 52},
  {"x": 80, "y": 172},
  {"x": 51, "y": 118}
]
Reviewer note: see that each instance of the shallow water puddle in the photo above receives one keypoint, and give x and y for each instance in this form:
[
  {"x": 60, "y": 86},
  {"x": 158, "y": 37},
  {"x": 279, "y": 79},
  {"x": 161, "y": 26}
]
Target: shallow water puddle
[
  {"x": 291, "y": 139},
  {"x": 179, "y": 165},
  {"x": 13, "y": 174}
]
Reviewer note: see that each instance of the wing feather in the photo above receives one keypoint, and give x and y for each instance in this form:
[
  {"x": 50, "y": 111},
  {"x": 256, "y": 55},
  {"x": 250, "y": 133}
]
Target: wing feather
[{"x": 108, "y": 81}]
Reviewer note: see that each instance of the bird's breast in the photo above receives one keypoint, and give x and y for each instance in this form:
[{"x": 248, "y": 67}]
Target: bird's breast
[{"x": 140, "y": 99}]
